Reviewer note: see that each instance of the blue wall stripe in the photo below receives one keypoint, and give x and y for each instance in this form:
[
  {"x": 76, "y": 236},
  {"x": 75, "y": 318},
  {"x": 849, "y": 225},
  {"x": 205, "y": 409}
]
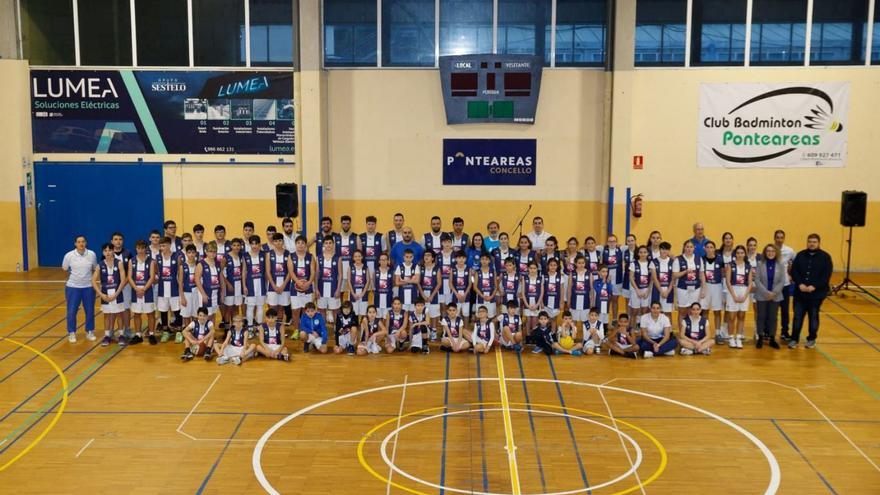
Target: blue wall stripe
[
  {"x": 610, "y": 210},
  {"x": 22, "y": 206},
  {"x": 628, "y": 209},
  {"x": 303, "y": 212}
]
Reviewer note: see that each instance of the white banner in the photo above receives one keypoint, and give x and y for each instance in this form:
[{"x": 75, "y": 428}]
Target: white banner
[{"x": 759, "y": 125}]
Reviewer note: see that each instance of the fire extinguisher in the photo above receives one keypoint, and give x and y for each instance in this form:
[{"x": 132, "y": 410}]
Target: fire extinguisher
[{"x": 637, "y": 206}]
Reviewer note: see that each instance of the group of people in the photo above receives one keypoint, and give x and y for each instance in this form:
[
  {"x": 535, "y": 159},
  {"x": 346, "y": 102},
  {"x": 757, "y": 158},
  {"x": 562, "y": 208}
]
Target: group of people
[{"x": 391, "y": 292}]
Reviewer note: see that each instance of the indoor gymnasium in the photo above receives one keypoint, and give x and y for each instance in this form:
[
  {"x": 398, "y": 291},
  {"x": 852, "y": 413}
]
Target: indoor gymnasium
[{"x": 437, "y": 247}]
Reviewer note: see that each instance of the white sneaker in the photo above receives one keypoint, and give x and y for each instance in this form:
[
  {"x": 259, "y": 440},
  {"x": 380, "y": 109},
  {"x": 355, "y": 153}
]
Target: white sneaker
[
  {"x": 90, "y": 336},
  {"x": 222, "y": 360},
  {"x": 731, "y": 342},
  {"x": 648, "y": 354},
  {"x": 739, "y": 341},
  {"x": 236, "y": 361},
  {"x": 686, "y": 352},
  {"x": 707, "y": 351},
  {"x": 71, "y": 337},
  {"x": 670, "y": 353}
]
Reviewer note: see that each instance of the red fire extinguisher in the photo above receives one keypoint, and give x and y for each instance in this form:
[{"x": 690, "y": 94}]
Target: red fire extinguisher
[{"x": 637, "y": 206}]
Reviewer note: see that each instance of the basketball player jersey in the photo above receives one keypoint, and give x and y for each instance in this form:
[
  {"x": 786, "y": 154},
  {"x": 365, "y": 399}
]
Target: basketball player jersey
[
  {"x": 346, "y": 245},
  {"x": 553, "y": 290},
  {"x": 695, "y": 331},
  {"x": 358, "y": 279},
  {"x": 612, "y": 258},
  {"x": 371, "y": 245},
  {"x": 580, "y": 291},
  {"x": 278, "y": 267},
  {"x": 382, "y": 287},
  {"x": 237, "y": 337},
  {"x": 740, "y": 276},
  {"x": 714, "y": 270},
  {"x": 432, "y": 241},
  {"x": 455, "y": 326},
  {"x": 532, "y": 289},
  {"x": 271, "y": 335},
  {"x": 328, "y": 276},
  {"x": 594, "y": 258},
  {"x": 641, "y": 274},
  {"x": 110, "y": 280},
  {"x": 430, "y": 279},
  {"x": 141, "y": 272},
  {"x": 484, "y": 330},
  {"x": 167, "y": 268},
  {"x": 256, "y": 282},
  {"x": 396, "y": 321},
  {"x": 486, "y": 282},
  {"x": 408, "y": 292},
  {"x": 509, "y": 286},
  {"x": 602, "y": 290},
  {"x": 189, "y": 276},
  {"x": 459, "y": 278},
  {"x": 302, "y": 268},
  {"x": 689, "y": 280},
  {"x": 513, "y": 323},
  {"x": 200, "y": 331}
]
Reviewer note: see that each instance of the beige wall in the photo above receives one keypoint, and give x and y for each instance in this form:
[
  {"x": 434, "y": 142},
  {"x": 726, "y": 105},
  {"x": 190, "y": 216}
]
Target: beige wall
[{"x": 15, "y": 147}]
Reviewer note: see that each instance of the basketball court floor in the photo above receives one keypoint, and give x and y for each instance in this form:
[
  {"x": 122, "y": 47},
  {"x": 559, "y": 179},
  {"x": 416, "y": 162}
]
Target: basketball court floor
[{"x": 87, "y": 419}]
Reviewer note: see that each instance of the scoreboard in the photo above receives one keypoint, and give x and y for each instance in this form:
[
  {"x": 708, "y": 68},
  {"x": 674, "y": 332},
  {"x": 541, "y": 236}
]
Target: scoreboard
[{"x": 490, "y": 88}]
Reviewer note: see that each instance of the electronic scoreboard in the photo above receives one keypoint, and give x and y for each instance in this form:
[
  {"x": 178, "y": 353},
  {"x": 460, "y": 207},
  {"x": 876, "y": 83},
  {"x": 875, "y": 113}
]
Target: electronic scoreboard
[{"x": 490, "y": 88}]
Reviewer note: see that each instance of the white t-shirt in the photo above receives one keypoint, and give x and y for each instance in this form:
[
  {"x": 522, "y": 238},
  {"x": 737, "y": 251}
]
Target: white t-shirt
[
  {"x": 786, "y": 256},
  {"x": 654, "y": 327},
  {"x": 538, "y": 240},
  {"x": 79, "y": 267}
]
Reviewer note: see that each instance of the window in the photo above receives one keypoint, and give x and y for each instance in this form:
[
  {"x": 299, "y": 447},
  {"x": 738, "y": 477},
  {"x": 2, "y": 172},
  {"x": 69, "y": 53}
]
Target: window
[
  {"x": 47, "y": 32},
  {"x": 162, "y": 37},
  {"x": 875, "y": 36},
  {"x": 271, "y": 26},
  {"x": 778, "y": 32},
  {"x": 580, "y": 32},
  {"x": 349, "y": 33},
  {"x": 524, "y": 27},
  {"x": 408, "y": 33},
  {"x": 218, "y": 32},
  {"x": 660, "y": 32},
  {"x": 465, "y": 27},
  {"x": 838, "y": 31},
  {"x": 718, "y": 32},
  {"x": 104, "y": 32}
]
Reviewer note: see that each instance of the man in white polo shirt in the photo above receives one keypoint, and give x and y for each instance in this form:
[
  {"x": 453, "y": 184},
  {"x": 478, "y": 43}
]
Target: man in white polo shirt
[
  {"x": 79, "y": 264},
  {"x": 538, "y": 235}
]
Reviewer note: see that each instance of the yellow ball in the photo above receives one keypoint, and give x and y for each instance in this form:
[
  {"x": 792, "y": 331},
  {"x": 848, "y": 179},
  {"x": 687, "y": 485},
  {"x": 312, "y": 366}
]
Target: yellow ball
[{"x": 566, "y": 342}]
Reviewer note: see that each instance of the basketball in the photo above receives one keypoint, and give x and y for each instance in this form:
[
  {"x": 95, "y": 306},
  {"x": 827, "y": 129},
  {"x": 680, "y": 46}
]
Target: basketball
[
  {"x": 198, "y": 349},
  {"x": 566, "y": 342}
]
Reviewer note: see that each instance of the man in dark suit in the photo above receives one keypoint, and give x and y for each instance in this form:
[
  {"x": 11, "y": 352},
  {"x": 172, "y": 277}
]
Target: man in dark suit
[{"x": 810, "y": 272}]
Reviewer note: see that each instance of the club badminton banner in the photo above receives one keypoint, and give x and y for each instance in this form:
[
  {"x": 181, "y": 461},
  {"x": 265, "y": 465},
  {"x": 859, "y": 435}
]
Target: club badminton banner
[
  {"x": 186, "y": 112},
  {"x": 773, "y": 125}
]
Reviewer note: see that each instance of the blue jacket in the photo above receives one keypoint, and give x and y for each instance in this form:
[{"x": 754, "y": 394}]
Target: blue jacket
[{"x": 315, "y": 324}]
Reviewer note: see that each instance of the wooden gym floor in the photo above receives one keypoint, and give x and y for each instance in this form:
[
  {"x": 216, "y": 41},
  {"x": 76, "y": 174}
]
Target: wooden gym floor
[{"x": 139, "y": 421}]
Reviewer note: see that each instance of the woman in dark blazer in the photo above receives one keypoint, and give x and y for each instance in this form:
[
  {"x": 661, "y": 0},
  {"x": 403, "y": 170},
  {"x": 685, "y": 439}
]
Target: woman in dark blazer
[{"x": 769, "y": 282}]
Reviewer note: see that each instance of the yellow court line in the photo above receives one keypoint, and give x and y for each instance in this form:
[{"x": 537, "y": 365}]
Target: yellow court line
[
  {"x": 58, "y": 413},
  {"x": 664, "y": 457},
  {"x": 508, "y": 426}
]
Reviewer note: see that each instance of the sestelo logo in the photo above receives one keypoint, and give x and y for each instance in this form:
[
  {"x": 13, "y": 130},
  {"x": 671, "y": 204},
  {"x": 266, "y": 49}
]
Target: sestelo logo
[{"x": 168, "y": 85}]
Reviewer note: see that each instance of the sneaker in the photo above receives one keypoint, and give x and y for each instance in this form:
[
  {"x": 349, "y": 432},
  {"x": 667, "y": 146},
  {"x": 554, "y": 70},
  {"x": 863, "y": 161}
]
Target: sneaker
[
  {"x": 122, "y": 341},
  {"x": 792, "y": 344},
  {"x": 210, "y": 354},
  {"x": 236, "y": 361},
  {"x": 166, "y": 336},
  {"x": 648, "y": 355},
  {"x": 433, "y": 334},
  {"x": 90, "y": 336},
  {"x": 759, "y": 343},
  {"x": 731, "y": 342},
  {"x": 517, "y": 347},
  {"x": 285, "y": 357},
  {"x": 785, "y": 336},
  {"x": 576, "y": 352},
  {"x": 178, "y": 338},
  {"x": 719, "y": 338},
  {"x": 707, "y": 351},
  {"x": 186, "y": 356},
  {"x": 349, "y": 350},
  {"x": 686, "y": 352},
  {"x": 810, "y": 344},
  {"x": 137, "y": 339},
  {"x": 106, "y": 341},
  {"x": 222, "y": 360},
  {"x": 426, "y": 349},
  {"x": 71, "y": 337},
  {"x": 152, "y": 339},
  {"x": 670, "y": 353},
  {"x": 306, "y": 347},
  {"x": 537, "y": 350},
  {"x": 774, "y": 344},
  {"x": 739, "y": 341},
  {"x": 414, "y": 350}
]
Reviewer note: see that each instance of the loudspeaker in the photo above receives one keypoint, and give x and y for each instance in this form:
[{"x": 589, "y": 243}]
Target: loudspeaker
[
  {"x": 286, "y": 200},
  {"x": 852, "y": 208}
]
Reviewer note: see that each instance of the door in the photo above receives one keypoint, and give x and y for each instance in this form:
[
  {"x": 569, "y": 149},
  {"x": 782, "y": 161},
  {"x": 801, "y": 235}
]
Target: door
[{"x": 95, "y": 200}]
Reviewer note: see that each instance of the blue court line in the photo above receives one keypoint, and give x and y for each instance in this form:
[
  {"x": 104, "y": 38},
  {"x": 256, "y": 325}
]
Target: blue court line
[
  {"x": 522, "y": 373},
  {"x": 220, "y": 457},
  {"x": 482, "y": 427},
  {"x": 70, "y": 393},
  {"x": 574, "y": 444},
  {"x": 835, "y": 320},
  {"x": 445, "y": 418},
  {"x": 796, "y": 449},
  {"x": 54, "y": 377},
  {"x": 32, "y": 358},
  {"x": 858, "y": 317}
]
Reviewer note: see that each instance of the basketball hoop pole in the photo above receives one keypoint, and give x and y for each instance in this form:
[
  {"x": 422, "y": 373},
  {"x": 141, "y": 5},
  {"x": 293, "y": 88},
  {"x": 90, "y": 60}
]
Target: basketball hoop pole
[{"x": 847, "y": 282}]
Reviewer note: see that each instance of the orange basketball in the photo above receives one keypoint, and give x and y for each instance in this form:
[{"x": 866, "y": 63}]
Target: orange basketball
[{"x": 198, "y": 349}]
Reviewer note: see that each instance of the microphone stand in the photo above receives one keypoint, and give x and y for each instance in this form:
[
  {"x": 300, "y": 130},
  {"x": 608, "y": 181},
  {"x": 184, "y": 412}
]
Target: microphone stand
[{"x": 520, "y": 223}]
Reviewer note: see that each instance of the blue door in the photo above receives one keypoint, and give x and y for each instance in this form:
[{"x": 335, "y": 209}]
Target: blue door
[{"x": 95, "y": 200}]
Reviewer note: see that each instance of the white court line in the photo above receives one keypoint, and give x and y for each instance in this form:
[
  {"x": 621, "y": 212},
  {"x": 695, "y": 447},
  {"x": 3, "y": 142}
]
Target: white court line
[
  {"x": 622, "y": 444},
  {"x": 39, "y": 282},
  {"x": 789, "y": 387},
  {"x": 84, "y": 448},
  {"x": 296, "y": 440},
  {"x": 191, "y": 411},
  {"x": 394, "y": 448},
  {"x": 4, "y": 441}
]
